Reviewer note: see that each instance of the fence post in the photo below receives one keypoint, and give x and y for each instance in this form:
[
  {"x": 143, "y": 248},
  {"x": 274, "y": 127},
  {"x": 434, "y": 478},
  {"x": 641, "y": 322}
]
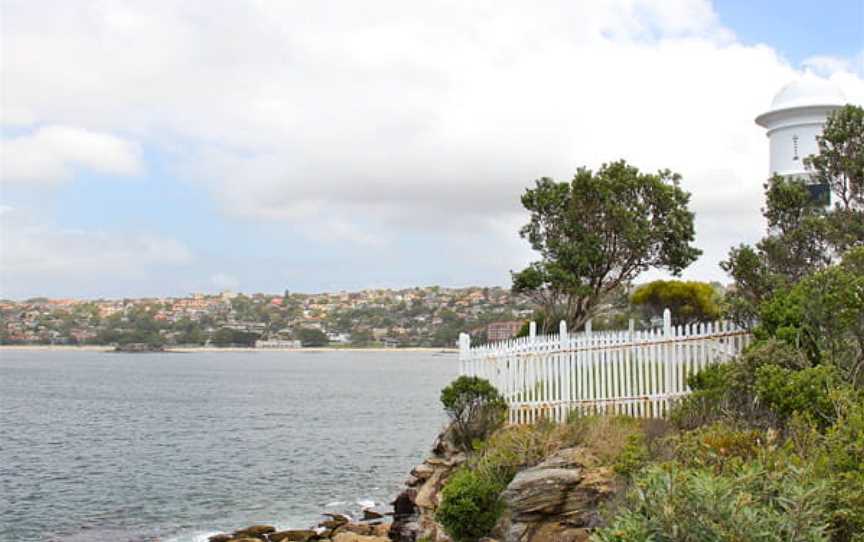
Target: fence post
[
  {"x": 532, "y": 330},
  {"x": 464, "y": 348},
  {"x": 667, "y": 354},
  {"x": 564, "y": 375}
]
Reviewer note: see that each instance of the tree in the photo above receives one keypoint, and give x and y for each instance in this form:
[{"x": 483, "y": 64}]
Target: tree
[
  {"x": 689, "y": 301},
  {"x": 475, "y": 409},
  {"x": 840, "y": 162},
  {"x": 312, "y": 337},
  {"x": 803, "y": 237},
  {"x": 599, "y": 232}
]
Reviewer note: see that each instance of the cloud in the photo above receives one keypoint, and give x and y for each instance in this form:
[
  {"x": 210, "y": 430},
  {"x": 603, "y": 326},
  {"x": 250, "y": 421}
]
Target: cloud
[
  {"x": 224, "y": 281},
  {"x": 76, "y": 262},
  {"x": 367, "y": 123},
  {"x": 54, "y": 153}
]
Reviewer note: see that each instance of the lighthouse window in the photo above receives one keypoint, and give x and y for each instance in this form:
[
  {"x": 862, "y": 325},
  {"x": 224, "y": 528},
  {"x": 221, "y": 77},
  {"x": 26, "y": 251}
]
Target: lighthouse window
[{"x": 795, "y": 146}]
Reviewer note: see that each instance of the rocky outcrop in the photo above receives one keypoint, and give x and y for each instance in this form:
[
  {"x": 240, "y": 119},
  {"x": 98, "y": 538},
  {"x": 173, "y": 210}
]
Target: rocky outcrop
[
  {"x": 336, "y": 528},
  {"x": 556, "y": 500},
  {"x": 414, "y": 509}
]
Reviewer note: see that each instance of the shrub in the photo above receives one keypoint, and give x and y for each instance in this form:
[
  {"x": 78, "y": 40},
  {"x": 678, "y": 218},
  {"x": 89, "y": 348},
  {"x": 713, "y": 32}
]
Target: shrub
[
  {"x": 822, "y": 315},
  {"x": 470, "y": 505},
  {"x": 842, "y": 460},
  {"x": 720, "y": 447},
  {"x": 729, "y": 391},
  {"x": 475, "y": 408},
  {"x": 786, "y": 392},
  {"x": 633, "y": 457},
  {"x": 694, "y": 505}
]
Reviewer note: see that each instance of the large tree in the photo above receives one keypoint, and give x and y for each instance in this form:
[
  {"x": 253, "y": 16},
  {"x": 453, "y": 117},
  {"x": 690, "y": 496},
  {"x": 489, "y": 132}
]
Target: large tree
[{"x": 600, "y": 231}]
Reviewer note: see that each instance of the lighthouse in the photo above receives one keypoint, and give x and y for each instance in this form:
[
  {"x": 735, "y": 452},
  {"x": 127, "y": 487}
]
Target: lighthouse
[{"x": 797, "y": 115}]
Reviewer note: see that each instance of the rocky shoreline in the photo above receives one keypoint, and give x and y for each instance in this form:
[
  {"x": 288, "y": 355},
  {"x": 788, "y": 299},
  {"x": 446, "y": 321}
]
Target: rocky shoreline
[
  {"x": 557, "y": 500},
  {"x": 373, "y": 527}
]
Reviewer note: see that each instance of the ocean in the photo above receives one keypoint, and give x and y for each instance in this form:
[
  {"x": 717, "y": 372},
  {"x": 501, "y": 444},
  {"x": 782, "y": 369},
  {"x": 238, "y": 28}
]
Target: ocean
[{"x": 174, "y": 447}]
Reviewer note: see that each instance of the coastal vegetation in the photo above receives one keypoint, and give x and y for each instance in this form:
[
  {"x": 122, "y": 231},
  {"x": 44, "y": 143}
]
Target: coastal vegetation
[{"x": 769, "y": 446}]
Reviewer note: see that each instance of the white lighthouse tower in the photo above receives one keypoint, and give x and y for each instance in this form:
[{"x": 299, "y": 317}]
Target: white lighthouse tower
[{"x": 796, "y": 117}]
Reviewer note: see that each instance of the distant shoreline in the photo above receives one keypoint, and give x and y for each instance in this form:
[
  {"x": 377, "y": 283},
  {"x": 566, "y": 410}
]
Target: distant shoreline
[{"x": 196, "y": 349}]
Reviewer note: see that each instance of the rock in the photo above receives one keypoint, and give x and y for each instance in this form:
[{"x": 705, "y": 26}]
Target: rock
[
  {"x": 224, "y": 537},
  {"x": 559, "y": 532},
  {"x": 295, "y": 535},
  {"x": 536, "y": 493},
  {"x": 255, "y": 531},
  {"x": 354, "y": 537},
  {"x": 404, "y": 504},
  {"x": 369, "y": 514},
  {"x": 557, "y": 500},
  {"x": 422, "y": 471},
  {"x": 246, "y": 539}
]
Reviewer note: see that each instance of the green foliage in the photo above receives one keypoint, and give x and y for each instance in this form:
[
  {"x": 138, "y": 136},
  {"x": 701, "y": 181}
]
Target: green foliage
[
  {"x": 475, "y": 408},
  {"x": 840, "y": 162},
  {"x": 689, "y": 301},
  {"x": 312, "y": 337},
  {"x": 674, "y": 504},
  {"x": 786, "y": 392},
  {"x": 600, "y": 231},
  {"x": 728, "y": 391},
  {"x": 633, "y": 457},
  {"x": 470, "y": 505},
  {"x": 232, "y": 337},
  {"x": 823, "y": 314}
]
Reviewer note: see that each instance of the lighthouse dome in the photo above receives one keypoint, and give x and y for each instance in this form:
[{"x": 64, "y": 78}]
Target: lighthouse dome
[{"x": 808, "y": 91}]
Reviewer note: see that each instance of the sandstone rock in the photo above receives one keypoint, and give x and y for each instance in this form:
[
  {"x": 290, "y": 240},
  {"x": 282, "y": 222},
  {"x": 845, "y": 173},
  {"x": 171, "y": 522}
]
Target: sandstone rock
[
  {"x": 255, "y": 531},
  {"x": 557, "y": 500},
  {"x": 293, "y": 535},
  {"x": 369, "y": 514},
  {"x": 559, "y": 532},
  {"x": 534, "y": 493},
  {"x": 422, "y": 471},
  {"x": 353, "y": 537},
  {"x": 224, "y": 537}
]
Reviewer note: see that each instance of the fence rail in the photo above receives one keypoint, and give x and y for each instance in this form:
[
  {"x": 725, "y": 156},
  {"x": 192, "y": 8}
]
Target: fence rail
[{"x": 640, "y": 373}]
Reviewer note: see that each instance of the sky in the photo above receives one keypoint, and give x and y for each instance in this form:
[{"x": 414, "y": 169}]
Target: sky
[{"x": 160, "y": 148}]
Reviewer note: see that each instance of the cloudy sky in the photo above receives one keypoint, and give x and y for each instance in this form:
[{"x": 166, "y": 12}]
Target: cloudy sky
[{"x": 160, "y": 148}]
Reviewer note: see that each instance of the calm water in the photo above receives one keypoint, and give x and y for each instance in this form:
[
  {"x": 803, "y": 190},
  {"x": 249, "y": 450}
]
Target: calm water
[{"x": 97, "y": 446}]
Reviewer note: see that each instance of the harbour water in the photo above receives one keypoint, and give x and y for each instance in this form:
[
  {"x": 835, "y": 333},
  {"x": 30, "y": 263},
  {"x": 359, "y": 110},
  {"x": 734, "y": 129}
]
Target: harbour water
[{"x": 104, "y": 446}]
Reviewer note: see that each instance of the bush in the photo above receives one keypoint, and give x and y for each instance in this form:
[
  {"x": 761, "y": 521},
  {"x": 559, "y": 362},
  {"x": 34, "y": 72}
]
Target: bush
[
  {"x": 821, "y": 315},
  {"x": 694, "y": 505},
  {"x": 786, "y": 392},
  {"x": 475, "y": 408},
  {"x": 842, "y": 460},
  {"x": 633, "y": 457},
  {"x": 731, "y": 391},
  {"x": 470, "y": 505}
]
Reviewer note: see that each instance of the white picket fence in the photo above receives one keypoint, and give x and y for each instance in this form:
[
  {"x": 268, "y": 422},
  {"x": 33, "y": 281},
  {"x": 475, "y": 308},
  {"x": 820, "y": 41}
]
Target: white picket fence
[{"x": 639, "y": 373}]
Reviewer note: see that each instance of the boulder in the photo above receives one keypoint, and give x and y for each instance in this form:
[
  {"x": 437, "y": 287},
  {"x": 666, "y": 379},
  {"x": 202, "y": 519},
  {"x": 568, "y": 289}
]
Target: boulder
[
  {"x": 223, "y": 537},
  {"x": 354, "y": 537},
  {"x": 255, "y": 531},
  {"x": 293, "y": 535},
  {"x": 246, "y": 539},
  {"x": 557, "y": 500},
  {"x": 369, "y": 514},
  {"x": 422, "y": 471}
]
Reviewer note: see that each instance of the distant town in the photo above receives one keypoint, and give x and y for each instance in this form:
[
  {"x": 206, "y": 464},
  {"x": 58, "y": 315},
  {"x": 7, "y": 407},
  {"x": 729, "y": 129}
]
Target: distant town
[{"x": 415, "y": 317}]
